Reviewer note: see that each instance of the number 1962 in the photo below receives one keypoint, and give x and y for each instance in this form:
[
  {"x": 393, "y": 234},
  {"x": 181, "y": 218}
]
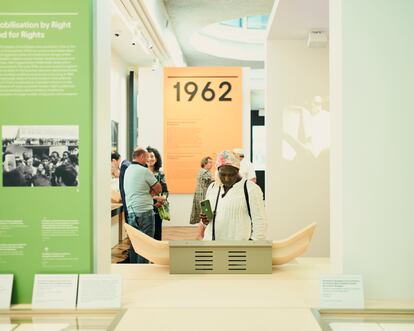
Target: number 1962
[{"x": 207, "y": 93}]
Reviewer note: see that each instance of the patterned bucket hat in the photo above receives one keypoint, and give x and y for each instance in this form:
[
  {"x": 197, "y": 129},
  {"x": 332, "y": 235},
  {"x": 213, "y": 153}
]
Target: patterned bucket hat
[{"x": 227, "y": 158}]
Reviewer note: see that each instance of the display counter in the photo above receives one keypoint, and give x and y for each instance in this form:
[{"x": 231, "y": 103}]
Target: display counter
[
  {"x": 156, "y": 300},
  {"x": 153, "y": 299}
]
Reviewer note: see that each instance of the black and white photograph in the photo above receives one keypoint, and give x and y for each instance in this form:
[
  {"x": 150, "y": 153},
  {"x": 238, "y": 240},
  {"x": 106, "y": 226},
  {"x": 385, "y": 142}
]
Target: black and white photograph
[{"x": 40, "y": 155}]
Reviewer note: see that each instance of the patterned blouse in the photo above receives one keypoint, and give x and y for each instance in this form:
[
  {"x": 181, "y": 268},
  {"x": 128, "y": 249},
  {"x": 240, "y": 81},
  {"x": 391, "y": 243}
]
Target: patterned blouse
[{"x": 204, "y": 179}]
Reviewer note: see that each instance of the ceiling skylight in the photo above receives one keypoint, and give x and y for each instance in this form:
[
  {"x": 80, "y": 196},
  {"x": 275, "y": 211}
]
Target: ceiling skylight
[{"x": 248, "y": 22}]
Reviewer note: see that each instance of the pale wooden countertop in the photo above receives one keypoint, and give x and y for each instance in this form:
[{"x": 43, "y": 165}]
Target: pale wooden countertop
[
  {"x": 280, "y": 301},
  {"x": 157, "y": 300}
]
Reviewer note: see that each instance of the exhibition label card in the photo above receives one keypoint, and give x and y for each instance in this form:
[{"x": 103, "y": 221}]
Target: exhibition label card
[
  {"x": 55, "y": 291},
  {"x": 5, "y": 323},
  {"x": 353, "y": 326},
  {"x": 99, "y": 291},
  {"x": 342, "y": 291},
  {"x": 6, "y": 286},
  {"x": 7, "y": 327},
  {"x": 42, "y": 327}
]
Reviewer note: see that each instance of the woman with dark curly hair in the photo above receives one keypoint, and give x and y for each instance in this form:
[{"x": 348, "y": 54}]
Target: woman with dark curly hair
[{"x": 154, "y": 164}]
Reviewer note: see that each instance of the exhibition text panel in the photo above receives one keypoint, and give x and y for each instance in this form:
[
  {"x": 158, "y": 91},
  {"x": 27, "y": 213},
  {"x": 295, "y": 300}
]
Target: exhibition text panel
[
  {"x": 202, "y": 115},
  {"x": 46, "y": 133}
]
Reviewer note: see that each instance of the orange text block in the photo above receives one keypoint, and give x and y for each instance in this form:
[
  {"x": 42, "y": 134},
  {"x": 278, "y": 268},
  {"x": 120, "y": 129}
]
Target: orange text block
[{"x": 203, "y": 113}]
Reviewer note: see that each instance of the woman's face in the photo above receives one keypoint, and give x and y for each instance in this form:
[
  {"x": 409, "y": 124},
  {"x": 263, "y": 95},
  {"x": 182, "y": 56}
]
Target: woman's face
[
  {"x": 151, "y": 160},
  {"x": 41, "y": 169},
  {"x": 228, "y": 175},
  {"x": 115, "y": 163},
  {"x": 209, "y": 164}
]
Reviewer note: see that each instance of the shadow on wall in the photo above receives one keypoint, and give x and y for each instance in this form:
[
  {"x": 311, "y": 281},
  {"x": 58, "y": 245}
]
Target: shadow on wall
[{"x": 305, "y": 165}]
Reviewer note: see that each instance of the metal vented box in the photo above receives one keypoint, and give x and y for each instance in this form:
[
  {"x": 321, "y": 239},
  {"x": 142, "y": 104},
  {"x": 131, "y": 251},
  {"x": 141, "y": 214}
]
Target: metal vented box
[{"x": 220, "y": 257}]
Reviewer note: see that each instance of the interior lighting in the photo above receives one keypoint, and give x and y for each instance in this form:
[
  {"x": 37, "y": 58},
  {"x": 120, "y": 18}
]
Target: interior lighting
[
  {"x": 317, "y": 39},
  {"x": 140, "y": 40},
  {"x": 155, "y": 64}
]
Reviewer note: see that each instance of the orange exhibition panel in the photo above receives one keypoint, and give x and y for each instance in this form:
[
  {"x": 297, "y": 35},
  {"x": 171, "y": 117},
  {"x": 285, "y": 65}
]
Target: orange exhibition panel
[{"x": 203, "y": 113}]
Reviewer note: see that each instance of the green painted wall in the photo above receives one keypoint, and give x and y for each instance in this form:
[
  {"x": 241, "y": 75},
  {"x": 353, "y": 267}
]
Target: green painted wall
[{"x": 59, "y": 251}]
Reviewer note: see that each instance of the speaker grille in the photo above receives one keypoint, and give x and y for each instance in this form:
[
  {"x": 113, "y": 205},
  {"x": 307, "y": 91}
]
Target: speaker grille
[
  {"x": 237, "y": 260},
  {"x": 220, "y": 257},
  {"x": 203, "y": 260}
]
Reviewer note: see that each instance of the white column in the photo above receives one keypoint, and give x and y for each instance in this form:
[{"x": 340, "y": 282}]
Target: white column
[
  {"x": 102, "y": 136},
  {"x": 372, "y": 195}
]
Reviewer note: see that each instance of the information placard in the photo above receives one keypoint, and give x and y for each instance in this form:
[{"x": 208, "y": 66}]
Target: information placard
[
  {"x": 99, "y": 291},
  {"x": 203, "y": 114},
  {"x": 342, "y": 291},
  {"x": 55, "y": 291},
  {"x": 5, "y": 325},
  {"x": 6, "y": 287}
]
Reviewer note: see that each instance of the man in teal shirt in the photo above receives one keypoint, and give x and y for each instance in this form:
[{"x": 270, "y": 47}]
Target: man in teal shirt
[{"x": 140, "y": 185}]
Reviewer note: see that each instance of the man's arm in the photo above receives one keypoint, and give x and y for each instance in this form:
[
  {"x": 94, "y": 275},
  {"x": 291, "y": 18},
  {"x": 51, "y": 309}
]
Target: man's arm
[{"x": 156, "y": 189}]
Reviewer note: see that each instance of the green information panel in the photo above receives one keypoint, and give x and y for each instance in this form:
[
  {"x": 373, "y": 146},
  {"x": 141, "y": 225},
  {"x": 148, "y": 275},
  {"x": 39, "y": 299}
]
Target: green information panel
[{"x": 46, "y": 134}]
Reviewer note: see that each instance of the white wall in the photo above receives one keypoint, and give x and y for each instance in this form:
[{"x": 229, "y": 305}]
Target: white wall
[
  {"x": 336, "y": 180},
  {"x": 257, "y": 99},
  {"x": 150, "y": 108},
  {"x": 374, "y": 187},
  {"x": 119, "y": 78},
  {"x": 297, "y": 179},
  {"x": 150, "y": 130},
  {"x": 257, "y": 86}
]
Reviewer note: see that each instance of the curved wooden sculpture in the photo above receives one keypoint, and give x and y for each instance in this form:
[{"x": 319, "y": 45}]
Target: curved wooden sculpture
[
  {"x": 283, "y": 251},
  {"x": 288, "y": 249},
  {"x": 153, "y": 250}
]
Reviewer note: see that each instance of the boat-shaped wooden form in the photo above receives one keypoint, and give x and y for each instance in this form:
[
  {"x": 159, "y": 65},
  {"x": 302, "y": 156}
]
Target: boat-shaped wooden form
[
  {"x": 283, "y": 251},
  {"x": 156, "y": 251},
  {"x": 290, "y": 248}
]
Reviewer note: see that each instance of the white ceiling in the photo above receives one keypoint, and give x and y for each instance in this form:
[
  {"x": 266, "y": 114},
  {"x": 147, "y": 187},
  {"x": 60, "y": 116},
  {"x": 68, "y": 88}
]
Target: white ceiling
[
  {"x": 294, "y": 19},
  {"x": 122, "y": 45},
  {"x": 188, "y": 16}
]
